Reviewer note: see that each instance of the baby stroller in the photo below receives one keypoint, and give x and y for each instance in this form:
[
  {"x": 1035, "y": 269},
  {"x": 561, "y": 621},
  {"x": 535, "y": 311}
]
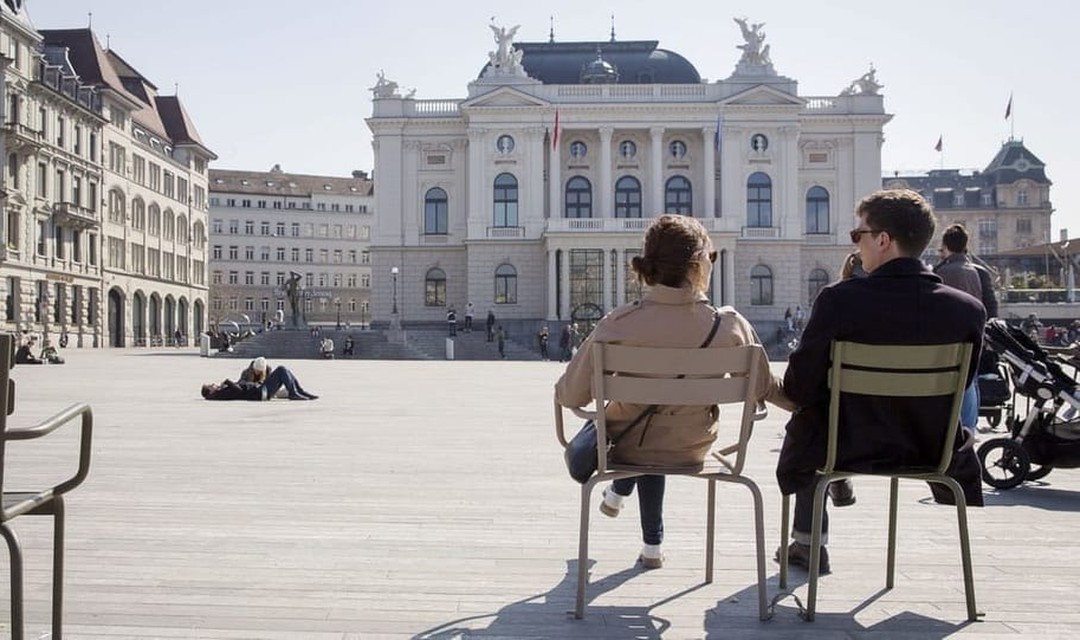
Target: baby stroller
[
  {"x": 995, "y": 389},
  {"x": 1049, "y": 435}
]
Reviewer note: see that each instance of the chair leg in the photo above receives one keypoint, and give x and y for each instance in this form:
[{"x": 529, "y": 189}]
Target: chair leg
[
  {"x": 710, "y": 531},
  {"x": 16, "y": 582},
  {"x": 58, "y": 569},
  {"x": 583, "y": 549},
  {"x": 785, "y": 512},
  {"x": 965, "y": 547},
  {"x": 815, "y": 546},
  {"x": 890, "y": 566},
  {"x": 759, "y": 538}
]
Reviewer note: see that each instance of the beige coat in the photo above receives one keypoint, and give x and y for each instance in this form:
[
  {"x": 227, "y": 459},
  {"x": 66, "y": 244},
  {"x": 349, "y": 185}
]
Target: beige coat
[{"x": 667, "y": 317}]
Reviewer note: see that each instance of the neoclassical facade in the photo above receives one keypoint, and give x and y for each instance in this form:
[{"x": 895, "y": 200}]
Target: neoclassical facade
[{"x": 529, "y": 196}]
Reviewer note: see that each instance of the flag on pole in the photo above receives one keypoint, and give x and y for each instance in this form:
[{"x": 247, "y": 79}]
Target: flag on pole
[
  {"x": 719, "y": 128},
  {"x": 1008, "y": 107},
  {"x": 937, "y": 147},
  {"x": 555, "y": 133}
]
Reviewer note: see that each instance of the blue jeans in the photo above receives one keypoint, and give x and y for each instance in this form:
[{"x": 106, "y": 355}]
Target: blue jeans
[
  {"x": 278, "y": 378},
  {"x": 969, "y": 410},
  {"x": 650, "y": 504}
]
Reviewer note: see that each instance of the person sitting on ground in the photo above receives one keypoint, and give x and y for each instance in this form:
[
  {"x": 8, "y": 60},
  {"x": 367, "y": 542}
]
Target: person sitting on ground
[
  {"x": 24, "y": 355},
  {"x": 900, "y": 302},
  {"x": 676, "y": 264},
  {"x": 347, "y": 347},
  {"x": 49, "y": 354},
  {"x": 243, "y": 390}
]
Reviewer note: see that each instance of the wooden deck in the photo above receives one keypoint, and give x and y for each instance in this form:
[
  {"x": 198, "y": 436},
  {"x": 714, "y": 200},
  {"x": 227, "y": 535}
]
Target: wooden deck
[{"x": 429, "y": 500}]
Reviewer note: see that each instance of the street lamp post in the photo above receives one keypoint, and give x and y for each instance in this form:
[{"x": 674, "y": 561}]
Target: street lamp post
[
  {"x": 394, "y": 272},
  {"x": 337, "y": 303}
]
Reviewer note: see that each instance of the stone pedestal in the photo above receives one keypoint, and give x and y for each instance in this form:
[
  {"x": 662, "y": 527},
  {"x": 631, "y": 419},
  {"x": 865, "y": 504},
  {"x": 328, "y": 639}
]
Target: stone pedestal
[{"x": 394, "y": 333}]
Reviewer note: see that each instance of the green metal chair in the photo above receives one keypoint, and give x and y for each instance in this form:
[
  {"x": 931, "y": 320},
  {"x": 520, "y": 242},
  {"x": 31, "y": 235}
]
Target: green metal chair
[
  {"x": 646, "y": 375},
  {"x": 47, "y": 502},
  {"x": 890, "y": 371}
]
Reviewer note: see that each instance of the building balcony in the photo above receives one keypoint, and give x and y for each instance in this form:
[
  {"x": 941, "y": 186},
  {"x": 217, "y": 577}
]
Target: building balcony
[
  {"x": 72, "y": 215},
  {"x": 760, "y": 233},
  {"x": 506, "y": 232},
  {"x": 23, "y": 135},
  {"x": 608, "y": 225}
]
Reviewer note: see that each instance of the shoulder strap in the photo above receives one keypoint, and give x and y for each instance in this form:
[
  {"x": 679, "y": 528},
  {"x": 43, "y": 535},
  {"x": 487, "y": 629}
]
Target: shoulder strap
[{"x": 712, "y": 332}]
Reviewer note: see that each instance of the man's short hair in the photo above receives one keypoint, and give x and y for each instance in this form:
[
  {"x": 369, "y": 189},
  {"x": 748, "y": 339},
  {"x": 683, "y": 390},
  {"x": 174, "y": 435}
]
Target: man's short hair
[
  {"x": 904, "y": 214},
  {"x": 955, "y": 239},
  {"x": 207, "y": 389}
]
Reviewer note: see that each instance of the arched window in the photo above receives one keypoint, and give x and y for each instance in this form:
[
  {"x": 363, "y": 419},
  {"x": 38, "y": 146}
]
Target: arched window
[
  {"x": 506, "y": 201},
  {"x": 168, "y": 228},
  {"x": 117, "y": 207},
  {"x": 435, "y": 207},
  {"x": 818, "y": 279},
  {"x": 628, "y": 197},
  {"x": 435, "y": 288},
  {"x": 761, "y": 285},
  {"x": 678, "y": 197},
  {"x": 138, "y": 214},
  {"x": 505, "y": 284},
  {"x": 759, "y": 200},
  {"x": 578, "y": 198},
  {"x": 199, "y": 231},
  {"x": 153, "y": 223},
  {"x": 817, "y": 210},
  {"x": 181, "y": 228}
]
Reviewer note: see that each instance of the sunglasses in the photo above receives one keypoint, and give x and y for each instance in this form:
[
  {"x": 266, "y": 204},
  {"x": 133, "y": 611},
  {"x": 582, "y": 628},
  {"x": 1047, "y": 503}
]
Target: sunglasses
[{"x": 856, "y": 234}]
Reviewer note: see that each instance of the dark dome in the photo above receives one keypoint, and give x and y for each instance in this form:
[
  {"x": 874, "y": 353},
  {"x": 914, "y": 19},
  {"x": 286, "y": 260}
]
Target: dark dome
[
  {"x": 599, "y": 71},
  {"x": 633, "y": 62}
]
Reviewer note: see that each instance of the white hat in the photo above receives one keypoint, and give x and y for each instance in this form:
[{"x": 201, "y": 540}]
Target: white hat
[{"x": 259, "y": 364}]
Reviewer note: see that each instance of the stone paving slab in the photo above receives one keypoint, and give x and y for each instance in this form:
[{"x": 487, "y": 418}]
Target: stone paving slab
[{"x": 429, "y": 500}]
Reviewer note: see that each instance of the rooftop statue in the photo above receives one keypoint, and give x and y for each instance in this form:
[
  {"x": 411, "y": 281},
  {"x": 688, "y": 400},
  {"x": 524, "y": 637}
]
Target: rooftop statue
[
  {"x": 385, "y": 88},
  {"x": 505, "y": 59},
  {"x": 864, "y": 85},
  {"x": 753, "y": 51}
]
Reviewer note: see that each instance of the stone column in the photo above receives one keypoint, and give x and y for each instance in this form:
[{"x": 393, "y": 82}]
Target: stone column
[
  {"x": 564, "y": 285},
  {"x": 620, "y": 277},
  {"x": 708, "y": 161},
  {"x": 604, "y": 188},
  {"x": 608, "y": 284},
  {"x": 656, "y": 171},
  {"x": 552, "y": 289},
  {"x": 555, "y": 208},
  {"x": 729, "y": 278}
]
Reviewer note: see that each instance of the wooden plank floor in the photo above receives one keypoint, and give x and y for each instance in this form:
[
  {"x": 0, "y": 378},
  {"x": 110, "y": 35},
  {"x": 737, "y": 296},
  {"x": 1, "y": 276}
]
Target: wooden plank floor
[{"x": 429, "y": 500}]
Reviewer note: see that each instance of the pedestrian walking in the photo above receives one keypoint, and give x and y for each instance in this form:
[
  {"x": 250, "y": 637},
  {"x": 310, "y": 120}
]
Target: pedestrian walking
[
  {"x": 468, "y": 317},
  {"x": 500, "y": 336},
  {"x": 542, "y": 338}
]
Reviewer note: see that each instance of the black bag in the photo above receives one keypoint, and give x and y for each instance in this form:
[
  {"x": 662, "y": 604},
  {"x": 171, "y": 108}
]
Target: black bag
[{"x": 580, "y": 452}]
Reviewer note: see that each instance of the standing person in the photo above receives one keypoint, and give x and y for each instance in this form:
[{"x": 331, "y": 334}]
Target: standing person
[
  {"x": 451, "y": 322},
  {"x": 800, "y": 318},
  {"x": 500, "y": 336},
  {"x": 490, "y": 325},
  {"x": 789, "y": 320},
  {"x": 957, "y": 271},
  {"x": 564, "y": 343},
  {"x": 468, "y": 317},
  {"x": 676, "y": 264},
  {"x": 900, "y": 302},
  {"x": 542, "y": 338}
]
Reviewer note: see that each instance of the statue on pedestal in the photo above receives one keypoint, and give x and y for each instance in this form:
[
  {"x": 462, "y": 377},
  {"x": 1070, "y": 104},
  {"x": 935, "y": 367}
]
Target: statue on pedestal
[
  {"x": 864, "y": 85},
  {"x": 292, "y": 291},
  {"x": 385, "y": 88},
  {"x": 753, "y": 52}
]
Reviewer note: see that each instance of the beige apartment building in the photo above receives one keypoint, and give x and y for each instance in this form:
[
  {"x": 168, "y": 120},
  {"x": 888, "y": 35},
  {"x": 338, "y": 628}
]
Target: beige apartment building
[
  {"x": 265, "y": 225},
  {"x": 105, "y": 223}
]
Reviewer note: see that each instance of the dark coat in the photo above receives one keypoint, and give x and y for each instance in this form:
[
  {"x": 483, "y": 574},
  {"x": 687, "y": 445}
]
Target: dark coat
[
  {"x": 901, "y": 302},
  {"x": 242, "y": 390},
  {"x": 989, "y": 298}
]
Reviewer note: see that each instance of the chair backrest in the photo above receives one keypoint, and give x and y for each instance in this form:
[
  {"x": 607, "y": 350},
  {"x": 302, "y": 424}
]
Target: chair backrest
[
  {"x": 650, "y": 375},
  {"x": 899, "y": 371}
]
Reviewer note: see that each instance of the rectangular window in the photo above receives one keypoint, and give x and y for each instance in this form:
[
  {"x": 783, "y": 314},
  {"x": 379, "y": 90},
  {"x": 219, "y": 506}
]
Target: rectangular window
[
  {"x": 234, "y": 226},
  {"x": 296, "y": 254},
  {"x": 280, "y": 229},
  {"x": 59, "y": 242},
  {"x": 324, "y": 256},
  {"x": 61, "y": 182},
  {"x": 91, "y": 249},
  {"x": 249, "y": 253},
  {"x": 42, "y": 239},
  {"x": 13, "y": 170},
  {"x": 14, "y": 229},
  {"x": 76, "y": 304},
  {"x": 264, "y": 228},
  {"x": 92, "y": 308},
  {"x": 249, "y": 277},
  {"x": 249, "y": 227},
  {"x": 138, "y": 168},
  {"x": 76, "y": 191},
  {"x": 264, "y": 278},
  {"x": 281, "y": 254},
  {"x": 309, "y": 255},
  {"x": 234, "y": 277},
  {"x": 76, "y": 245},
  {"x": 11, "y": 302},
  {"x": 155, "y": 177},
  {"x": 42, "y": 178},
  {"x": 170, "y": 185},
  {"x": 1023, "y": 225},
  {"x": 295, "y": 229},
  {"x": 586, "y": 277}
]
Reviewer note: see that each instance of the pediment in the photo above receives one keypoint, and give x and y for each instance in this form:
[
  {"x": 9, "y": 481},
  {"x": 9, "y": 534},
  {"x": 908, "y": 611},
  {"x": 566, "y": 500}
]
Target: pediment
[
  {"x": 504, "y": 97},
  {"x": 764, "y": 95}
]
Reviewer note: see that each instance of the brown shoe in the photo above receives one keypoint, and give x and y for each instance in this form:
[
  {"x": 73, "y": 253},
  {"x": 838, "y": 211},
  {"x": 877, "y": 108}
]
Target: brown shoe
[
  {"x": 799, "y": 556},
  {"x": 842, "y": 493}
]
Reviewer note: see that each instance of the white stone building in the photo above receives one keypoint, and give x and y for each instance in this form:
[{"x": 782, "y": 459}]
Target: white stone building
[
  {"x": 529, "y": 195},
  {"x": 266, "y": 224}
]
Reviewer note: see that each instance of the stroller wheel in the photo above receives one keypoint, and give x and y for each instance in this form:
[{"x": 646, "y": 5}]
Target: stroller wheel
[
  {"x": 1039, "y": 471},
  {"x": 1004, "y": 463}
]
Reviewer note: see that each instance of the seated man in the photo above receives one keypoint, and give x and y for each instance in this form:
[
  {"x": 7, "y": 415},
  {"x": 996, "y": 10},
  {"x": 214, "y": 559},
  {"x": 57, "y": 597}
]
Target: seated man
[
  {"x": 24, "y": 355},
  {"x": 265, "y": 390},
  {"x": 900, "y": 302}
]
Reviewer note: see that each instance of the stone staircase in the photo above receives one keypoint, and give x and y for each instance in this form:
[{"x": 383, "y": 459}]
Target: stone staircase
[
  {"x": 299, "y": 344},
  {"x": 467, "y": 346}
]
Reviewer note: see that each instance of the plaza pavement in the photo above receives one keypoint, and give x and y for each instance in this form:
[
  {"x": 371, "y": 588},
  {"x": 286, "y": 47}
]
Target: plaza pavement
[{"x": 429, "y": 500}]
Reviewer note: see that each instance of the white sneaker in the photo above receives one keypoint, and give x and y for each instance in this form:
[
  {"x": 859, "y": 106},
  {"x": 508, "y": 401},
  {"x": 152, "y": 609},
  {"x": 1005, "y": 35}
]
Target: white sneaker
[
  {"x": 651, "y": 556},
  {"x": 611, "y": 504}
]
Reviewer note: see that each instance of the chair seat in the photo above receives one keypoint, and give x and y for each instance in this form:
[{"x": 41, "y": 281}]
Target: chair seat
[{"x": 46, "y": 505}]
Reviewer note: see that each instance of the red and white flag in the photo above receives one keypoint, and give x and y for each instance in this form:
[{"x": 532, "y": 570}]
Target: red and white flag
[
  {"x": 555, "y": 133},
  {"x": 937, "y": 147},
  {"x": 1008, "y": 108}
]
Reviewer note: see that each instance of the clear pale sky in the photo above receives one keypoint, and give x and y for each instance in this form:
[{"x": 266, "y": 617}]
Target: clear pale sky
[{"x": 287, "y": 82}]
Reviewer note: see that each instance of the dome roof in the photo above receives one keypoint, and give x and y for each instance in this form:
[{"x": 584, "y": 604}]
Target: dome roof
[
  {"x": 631, "y": 62},
  {"x": 599, "y": 71}
]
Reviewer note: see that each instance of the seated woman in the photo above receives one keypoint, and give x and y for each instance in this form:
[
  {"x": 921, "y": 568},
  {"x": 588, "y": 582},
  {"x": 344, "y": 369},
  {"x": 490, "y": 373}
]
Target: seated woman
[
  {"x": 49, "y": 354},
  {"x": 23, "y": 355},
  {"x": 265, "y": 390},
  {"x": 676, "y": 265}
]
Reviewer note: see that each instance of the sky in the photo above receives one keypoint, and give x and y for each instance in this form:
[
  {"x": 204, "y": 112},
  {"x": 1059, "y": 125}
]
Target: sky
[{"x": 275, "y": 82}]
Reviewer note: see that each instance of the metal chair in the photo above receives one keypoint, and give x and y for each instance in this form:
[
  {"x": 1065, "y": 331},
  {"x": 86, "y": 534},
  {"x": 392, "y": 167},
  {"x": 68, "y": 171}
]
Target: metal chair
[
  {"x": 645, "y": 375},
  {"x": 47, "y": 502},
  {"x": 897, "y": 371}
]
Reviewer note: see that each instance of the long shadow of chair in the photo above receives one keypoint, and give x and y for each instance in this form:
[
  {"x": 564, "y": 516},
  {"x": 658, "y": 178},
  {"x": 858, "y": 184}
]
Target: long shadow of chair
[
  {"x": 890, "y": 371},
  {"x": 674, "y": 377},
  {"x": 46, "y": 502}
]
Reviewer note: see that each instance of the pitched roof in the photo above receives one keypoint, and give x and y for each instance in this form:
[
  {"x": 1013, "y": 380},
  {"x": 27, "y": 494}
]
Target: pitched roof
[
  {"x": 177, "y": 123},
  {"x": 279, "y": 183},
  {"x": 1015, "y": 162}
]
